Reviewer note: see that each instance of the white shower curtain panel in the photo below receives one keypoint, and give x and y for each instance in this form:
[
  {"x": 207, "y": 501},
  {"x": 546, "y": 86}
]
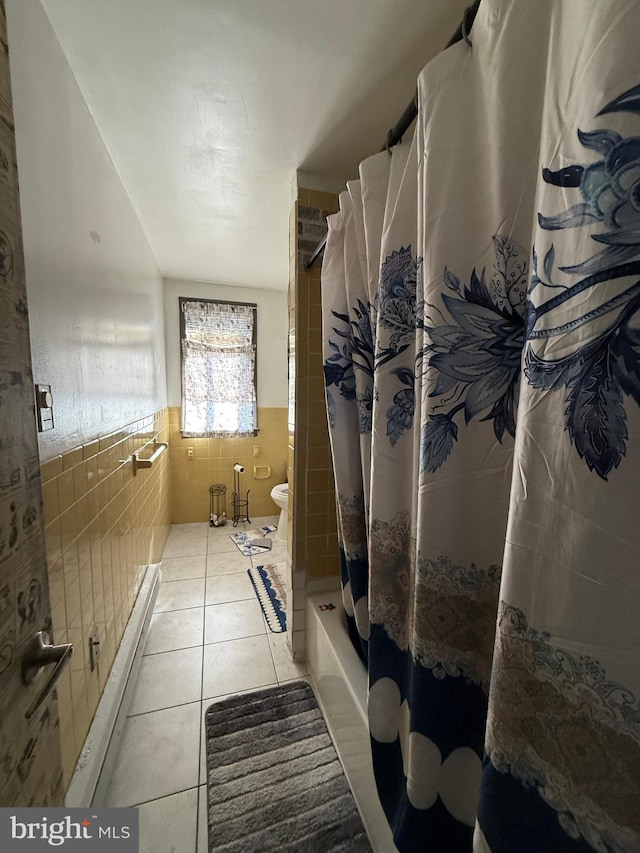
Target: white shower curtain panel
[{"x": 481, "y": 289}]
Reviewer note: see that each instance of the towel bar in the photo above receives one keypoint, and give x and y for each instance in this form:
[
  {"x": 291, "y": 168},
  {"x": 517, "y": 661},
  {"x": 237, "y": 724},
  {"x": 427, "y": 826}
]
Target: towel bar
[{"x": 158, "y": 448}]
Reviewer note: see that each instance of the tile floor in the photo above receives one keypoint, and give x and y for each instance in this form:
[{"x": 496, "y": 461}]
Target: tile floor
[{"x": 208, "y": 639}]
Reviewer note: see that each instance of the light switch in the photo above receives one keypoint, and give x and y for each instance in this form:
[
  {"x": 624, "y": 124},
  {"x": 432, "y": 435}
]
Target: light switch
[{"x": 44, "y": 407}]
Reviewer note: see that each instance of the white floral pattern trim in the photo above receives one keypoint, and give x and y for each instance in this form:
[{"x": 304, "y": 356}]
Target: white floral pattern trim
[
  {"x": 352, "y": 530},
  {"x": 558, "y": 724},
  {"x": 442, "y": 612}
]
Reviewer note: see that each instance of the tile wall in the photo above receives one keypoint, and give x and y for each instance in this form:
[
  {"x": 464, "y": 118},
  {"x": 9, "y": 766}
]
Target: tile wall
[
  {"x": 103, "y": 528},
  {"x": 212, "y": 462},
  {"x": 313, "y": 543}
]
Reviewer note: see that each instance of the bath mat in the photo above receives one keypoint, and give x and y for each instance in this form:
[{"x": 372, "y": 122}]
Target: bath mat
[
  {"x": 270, "y": 590},
  {"x": 274, "y": 780},
  {"x": 243, "y": 540}
]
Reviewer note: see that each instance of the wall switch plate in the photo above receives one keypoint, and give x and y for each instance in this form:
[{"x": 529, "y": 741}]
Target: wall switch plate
[
  {"x": 94, "y": 648},
  {"x": 256, "y": 450},
  {"x": 44, "y": 407},
  {"x": 189, "y": 452}
]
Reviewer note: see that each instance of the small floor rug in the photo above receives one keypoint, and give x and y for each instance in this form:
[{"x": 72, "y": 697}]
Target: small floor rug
[
  {"x": 274, "y": 780},
  {"x": 243, "y": 540},
  {"x": 271, "y": 594}
]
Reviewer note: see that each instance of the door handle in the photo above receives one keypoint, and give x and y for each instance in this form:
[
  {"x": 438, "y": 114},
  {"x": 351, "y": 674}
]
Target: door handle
[{"x": 38, "y": 654}]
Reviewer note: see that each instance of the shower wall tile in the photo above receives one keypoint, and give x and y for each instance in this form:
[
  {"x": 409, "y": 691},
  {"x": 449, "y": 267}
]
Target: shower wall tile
[
  {"x": 103, "y": 528},
  {"x": 312, "y": 544},
  {"x": 213, "y": 460}
]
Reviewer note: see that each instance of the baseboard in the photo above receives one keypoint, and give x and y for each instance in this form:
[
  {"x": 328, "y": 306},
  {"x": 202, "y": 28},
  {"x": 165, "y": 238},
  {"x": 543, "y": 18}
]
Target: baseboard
[{"x": 93, "y": 770}]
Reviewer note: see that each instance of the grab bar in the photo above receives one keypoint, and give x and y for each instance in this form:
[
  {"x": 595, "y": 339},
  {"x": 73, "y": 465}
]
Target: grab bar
[{"x": 158, "y": 448}]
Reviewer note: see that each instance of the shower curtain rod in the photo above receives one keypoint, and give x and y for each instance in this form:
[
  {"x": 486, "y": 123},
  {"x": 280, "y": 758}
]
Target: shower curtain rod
[{"x": 394, "y": 136}]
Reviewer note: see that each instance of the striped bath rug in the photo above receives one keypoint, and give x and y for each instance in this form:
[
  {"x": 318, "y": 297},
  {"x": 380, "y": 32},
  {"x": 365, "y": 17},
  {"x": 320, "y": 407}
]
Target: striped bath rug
[
  {"x": 274, "y": 780},
  {"x": 269, "y": 588}
]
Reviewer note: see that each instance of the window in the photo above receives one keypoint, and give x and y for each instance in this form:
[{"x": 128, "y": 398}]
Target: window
[{"x": 218, "y": 348}]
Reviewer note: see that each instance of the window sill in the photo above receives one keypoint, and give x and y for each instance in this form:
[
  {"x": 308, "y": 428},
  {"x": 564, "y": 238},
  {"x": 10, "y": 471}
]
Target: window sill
[{"x": 184, "y": 434}]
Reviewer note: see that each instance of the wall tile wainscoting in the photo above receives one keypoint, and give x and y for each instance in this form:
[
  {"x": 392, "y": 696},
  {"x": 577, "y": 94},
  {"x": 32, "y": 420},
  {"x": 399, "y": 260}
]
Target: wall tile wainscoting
[
  {"x": 103, "y": 528},
  {"x": 212, "y": 461}
]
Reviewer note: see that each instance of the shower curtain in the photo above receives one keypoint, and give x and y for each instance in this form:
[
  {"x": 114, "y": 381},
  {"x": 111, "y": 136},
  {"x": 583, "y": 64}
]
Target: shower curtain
[{"x": 481, "y": 289}]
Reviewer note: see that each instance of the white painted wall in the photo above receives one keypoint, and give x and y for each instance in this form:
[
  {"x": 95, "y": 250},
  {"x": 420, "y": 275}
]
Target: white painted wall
[
  {"x": 94, "y": 291},
  {"x": 272, "y": 335}
]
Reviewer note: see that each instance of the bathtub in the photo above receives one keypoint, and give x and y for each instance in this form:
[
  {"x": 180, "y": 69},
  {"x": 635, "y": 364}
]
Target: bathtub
[{"x": 340, "y": 683}]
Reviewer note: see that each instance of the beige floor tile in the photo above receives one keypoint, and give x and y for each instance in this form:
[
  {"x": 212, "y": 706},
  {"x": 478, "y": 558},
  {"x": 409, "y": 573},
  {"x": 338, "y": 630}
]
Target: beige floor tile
[
  {"x": 227, "y": 562},
  {"x": 151, "y": 742},
  {"x": 286, "y": 669},
  {"x": 233, "y": 620},
  {"x": 169, "y": 824},
  {"x": 168, "y": 679},
  {"x": 226, "y": 588},
  {"x": 188, "y": 547},
  {"x": 175, "y": 629},
  {"x": 219, "y": 543},
  {"x": 203, "y": 826},
  {"x": 184, "y": 568},
  {"x": 237, "y": 665},
  {"x": 179, "y": 595}
]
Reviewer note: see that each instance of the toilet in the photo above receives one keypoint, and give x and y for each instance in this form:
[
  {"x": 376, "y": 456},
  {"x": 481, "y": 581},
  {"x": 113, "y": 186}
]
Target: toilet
[{"x": 280, "y": 496}]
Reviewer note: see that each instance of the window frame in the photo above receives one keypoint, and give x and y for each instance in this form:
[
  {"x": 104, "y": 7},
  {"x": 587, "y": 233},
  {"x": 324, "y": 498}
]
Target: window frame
[{"x": 254, "y": 343}]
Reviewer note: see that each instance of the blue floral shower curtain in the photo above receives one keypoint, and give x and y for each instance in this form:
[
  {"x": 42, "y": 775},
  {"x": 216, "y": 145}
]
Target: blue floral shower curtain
[
  {"x": 348, "y": 369},
  {"x": 491, "y": 546}
]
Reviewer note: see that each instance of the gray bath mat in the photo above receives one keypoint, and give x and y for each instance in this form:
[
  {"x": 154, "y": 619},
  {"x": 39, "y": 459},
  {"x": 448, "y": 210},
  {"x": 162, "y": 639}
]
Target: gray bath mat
[{"x": 274, "y": 780}]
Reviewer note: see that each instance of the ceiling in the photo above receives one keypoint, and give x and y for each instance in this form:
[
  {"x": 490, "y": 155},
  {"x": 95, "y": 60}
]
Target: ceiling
[{"x": 209, "y": 107}]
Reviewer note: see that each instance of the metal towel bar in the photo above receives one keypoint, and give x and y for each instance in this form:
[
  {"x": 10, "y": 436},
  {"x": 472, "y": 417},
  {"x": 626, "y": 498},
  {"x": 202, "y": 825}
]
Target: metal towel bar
[{"x": 158, "y": 448}]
